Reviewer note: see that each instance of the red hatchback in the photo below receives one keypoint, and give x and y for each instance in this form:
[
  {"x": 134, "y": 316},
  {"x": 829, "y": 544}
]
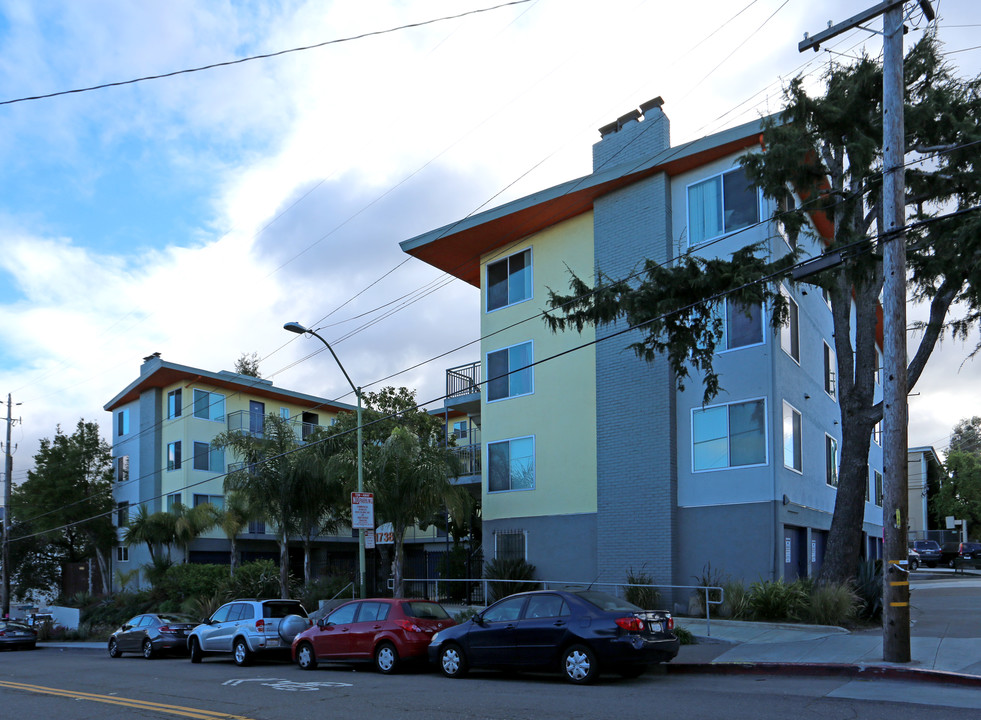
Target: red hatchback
[{"x": 384, "y": 631}]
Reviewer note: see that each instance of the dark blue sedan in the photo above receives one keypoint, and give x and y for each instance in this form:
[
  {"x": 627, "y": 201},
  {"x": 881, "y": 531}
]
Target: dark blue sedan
[{"x": 578, "y": 632}]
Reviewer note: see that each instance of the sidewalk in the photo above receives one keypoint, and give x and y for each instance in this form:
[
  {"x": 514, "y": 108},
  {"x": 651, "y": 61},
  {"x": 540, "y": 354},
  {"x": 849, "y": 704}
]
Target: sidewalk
[{"x": 729, "y": 647}]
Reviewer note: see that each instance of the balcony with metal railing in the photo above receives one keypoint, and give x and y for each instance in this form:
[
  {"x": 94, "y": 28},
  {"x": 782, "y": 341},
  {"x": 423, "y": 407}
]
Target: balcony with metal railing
[
  {"x": 463, "y": 388},
  {"x": 254, "y": 423},
  {"x": 469, "y": 456}
]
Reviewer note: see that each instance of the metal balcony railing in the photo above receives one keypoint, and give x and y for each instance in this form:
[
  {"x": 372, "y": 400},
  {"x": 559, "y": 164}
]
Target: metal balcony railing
[
  {"x": 463, "y": 380},
  {"x": 469, "y": 459}
]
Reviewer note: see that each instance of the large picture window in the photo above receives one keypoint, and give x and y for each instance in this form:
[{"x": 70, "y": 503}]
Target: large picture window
[
  {"x": 792, "y": 444},
  {"x": 509, "y": 280},
  {"x": 726, "y": 436},
  {"x": 720, "y": 205},
  {"x": 511, "y": 465},
  {"x": 208, "y": 458},
  {"x": 509, "y": 372},
  {"x": 209, "y": 405}
]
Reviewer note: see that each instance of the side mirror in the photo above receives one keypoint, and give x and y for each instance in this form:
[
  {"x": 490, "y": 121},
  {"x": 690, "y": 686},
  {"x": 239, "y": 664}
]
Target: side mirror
[
  {"x": 322, "y": 623},
  {"x": 126, "y": 627},
  {"x": 478, "y": 619},
  {"x": 205, "y": 621}
]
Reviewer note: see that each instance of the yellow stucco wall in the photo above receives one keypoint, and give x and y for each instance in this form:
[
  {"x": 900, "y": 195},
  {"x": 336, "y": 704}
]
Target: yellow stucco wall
[{"x": 561, "y": 412}]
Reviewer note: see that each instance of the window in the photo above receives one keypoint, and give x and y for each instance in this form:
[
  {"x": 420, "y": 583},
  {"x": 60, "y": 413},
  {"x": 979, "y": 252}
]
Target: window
[
  {"x": 721, "y": 204},
  {"x": 218, "y": 501},
  {"x": 877, "y": 433},
  {"x": 868, "y": 479},
  {"x": 122, "y": 468},
  {"x": 510, "y": 545},
  {"x": 792, "y": 445},
  {"x": 460, "y": 430},
  {"x": 878, "y": 487},
  {"x": 209, "y": 405},
  {"x": 311, "y": 421},
  {"x": 831, "y": 461},
  {"x": 511, "y": 465},
  {"x": 122, "y": 422},
  {"x": 742, "y": 326},
  {"x": 257, "y": 527},
  {"x": 508, "y": 372},
  {"x": 122, "y": 514},
  {"x": 174, "y": 403},
  {"x": 122, "y": 553},
  {"x": 284, "y": 412},
  {"x": 546, "y": 606},
  {"x": 786, "y": 204},
  {"x": 344, "y": 614},
  {"x": 174, "y": 455},
  {"x": 726, "y": 436},
  {"x": 830, "y": 364},
  {"x": 208, "y": 458},
  {"x": 878, "y": 366},
  {"x": 509, "y": 280},
  {"x": 373, "y": 611},
  {"x": 173, "y": 501},
  {"x": 790, "y": 330}
]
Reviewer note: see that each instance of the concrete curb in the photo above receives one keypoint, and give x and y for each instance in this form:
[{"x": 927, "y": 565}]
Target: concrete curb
[{"x": 862, "y": 672}]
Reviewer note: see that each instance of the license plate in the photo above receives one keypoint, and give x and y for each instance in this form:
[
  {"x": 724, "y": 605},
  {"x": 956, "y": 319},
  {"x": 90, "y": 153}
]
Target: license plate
[
  {"x": 655, "y": 627},
  {"x": 271, "y": 642}
]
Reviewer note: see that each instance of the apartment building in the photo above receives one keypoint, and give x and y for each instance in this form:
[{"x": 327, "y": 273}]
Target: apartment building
[{"x": 593, "y": 463}]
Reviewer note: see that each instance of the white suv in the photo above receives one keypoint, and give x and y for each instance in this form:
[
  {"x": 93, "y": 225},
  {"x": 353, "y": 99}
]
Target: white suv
[{"x": 248, "y": 627}]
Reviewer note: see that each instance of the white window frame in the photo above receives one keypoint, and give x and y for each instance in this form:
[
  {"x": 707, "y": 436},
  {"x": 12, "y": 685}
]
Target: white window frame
[
  {"x": 173, "y": 461},
  {"x": 729, "y": 465},
  {"x": 534, "y": 465},
  {"x": 211, "y": 406},
  {"x": 726, "y": 333},
  {"x": 796, "y": 438},
  {"x": 216, "y": 458},
  {"x": 830, "y": 371},
  {"x": 122, "y": 468},
  {"x": 790, "y": 331},
  {"x": 530, "y": 368},
  {"x": 122, "y": 554},
  {"x": 877, "y": 433},
  {"x": 720, "y": 178},
  {"x": 832, "y": 466},
  {"x": 506, "y": 259},
  {"x": 878, "y": 367},
  {"x": 284, "y": 413},
  {"x": 175, "y": 399},
  {"x": 878, "y": 487}
]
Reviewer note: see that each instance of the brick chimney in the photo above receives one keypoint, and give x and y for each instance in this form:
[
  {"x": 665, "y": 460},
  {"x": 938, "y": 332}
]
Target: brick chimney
[{"x": 637, "y": 135}]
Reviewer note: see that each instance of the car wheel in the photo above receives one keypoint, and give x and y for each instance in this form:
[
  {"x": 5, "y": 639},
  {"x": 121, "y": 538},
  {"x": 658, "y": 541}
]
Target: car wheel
[
  {"x": 914, "y": 565},
  {"x": 452, "y": 661},
  {"x": 114, "y": 648},
  {"x": 241, "y": 653},
  {"x": 306, "y": 658},
  {"x": 579, "y": 665},
  {"x": 197, "y": 655},
  {"x": 386, "y": 658},
  {"x": 148, "y": 649}
]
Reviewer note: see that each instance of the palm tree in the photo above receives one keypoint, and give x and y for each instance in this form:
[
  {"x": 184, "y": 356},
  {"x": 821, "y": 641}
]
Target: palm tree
[
  {"x": 233, "y": 519},
  {"x": 153, "y": 529},
  {"x": 268, "y": 479},
  {"x": 411, "y": 484},
  {"x": 189, "y": 523}
]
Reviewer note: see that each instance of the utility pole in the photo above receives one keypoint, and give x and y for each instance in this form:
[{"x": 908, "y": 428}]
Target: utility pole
[
  {"x": 8, "y": 466},
  {"x": 895, "y": 592}
]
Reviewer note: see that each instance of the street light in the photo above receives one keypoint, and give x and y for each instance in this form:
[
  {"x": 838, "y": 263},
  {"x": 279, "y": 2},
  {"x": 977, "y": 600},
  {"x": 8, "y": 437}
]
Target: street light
[{"x": 295, "y": 327}]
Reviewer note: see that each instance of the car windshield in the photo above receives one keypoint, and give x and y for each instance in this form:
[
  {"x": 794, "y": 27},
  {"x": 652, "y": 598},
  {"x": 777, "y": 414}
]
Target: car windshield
[
  {"x": 425, "y": 610},
  {"x": 928, "y": 545},
  {"x": 282, "y": 609},
  {"x": 606, "y": 601}
]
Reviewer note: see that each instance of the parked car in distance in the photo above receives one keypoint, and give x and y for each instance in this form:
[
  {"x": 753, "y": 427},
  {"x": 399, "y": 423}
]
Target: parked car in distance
[
  {"x": 929, "y": 551},
  {"x": 16, "y": 635},
  {"x": 960, "y": 554},
  {"x": 151, "y": 634},
  {"x": 913, "y": 558},
  {"x": 384, "y": 631},
  {"x": 247, "y": 628},
  {"x": 576, "y": 632}
]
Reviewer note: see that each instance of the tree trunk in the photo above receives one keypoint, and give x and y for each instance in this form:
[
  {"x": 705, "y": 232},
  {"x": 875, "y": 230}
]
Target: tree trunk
[
  {"x": 232, "y": 557},
  {"x": 307, "y": 565},
  {"x": 284, "y": 567},
  {"x": 399, "y": 551}
]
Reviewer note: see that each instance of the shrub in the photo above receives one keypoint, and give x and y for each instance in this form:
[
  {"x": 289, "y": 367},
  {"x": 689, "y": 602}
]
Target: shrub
[
  {"x": 516, "y": 575},
  {"x": 648, "y": 598},
  {"x": 325, "y": 588},
  {"x": 777, "y": 600},
  {"x": 258, "y": 579},
  {"x": 868, "y": 587},
  {"x": 464, "y": 615},
  {"x": 203, "y": 606},
  {"x": 708, "y": 578},
  {"x": 189, "y": 580},
  {"x": 684, "y": 635},
  {"x": 833, "y": 605},
  {"x": 735, "y": 602}
]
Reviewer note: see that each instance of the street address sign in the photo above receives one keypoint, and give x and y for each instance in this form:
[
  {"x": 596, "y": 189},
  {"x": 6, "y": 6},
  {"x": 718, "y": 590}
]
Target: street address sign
[{"x": 362, "y": 511}]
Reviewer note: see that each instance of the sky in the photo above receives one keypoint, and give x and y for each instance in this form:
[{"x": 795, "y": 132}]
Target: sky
[{"x": 194, "y": 214}]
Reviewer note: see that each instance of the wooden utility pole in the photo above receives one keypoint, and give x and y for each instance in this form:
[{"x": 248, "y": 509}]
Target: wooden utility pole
[
  {"x": 895, "y": 592},
  {"x": 8, "y": 467}
]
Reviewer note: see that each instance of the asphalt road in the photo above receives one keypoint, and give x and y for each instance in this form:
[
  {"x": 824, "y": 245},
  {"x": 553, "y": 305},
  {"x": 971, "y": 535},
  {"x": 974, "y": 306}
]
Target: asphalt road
[{"x": 81, "y": 684}]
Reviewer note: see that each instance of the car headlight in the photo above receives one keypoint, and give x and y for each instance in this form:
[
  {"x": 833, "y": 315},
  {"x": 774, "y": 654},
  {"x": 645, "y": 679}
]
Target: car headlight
[{"x": 435, "y": 639}]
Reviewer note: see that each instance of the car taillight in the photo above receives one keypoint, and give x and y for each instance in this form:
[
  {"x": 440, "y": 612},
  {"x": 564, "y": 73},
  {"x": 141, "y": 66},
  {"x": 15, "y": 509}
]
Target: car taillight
[
  {"x": 260, "y": 625},
  {"x": 167, "y": 630},
  {"x": 409, "y": 626},
  {"x": 669, "y": 623},
  {"x": 631, "y": 624}
]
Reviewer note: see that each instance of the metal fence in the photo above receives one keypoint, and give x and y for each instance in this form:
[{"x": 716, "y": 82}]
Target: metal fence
[{"x": 483, "y": 591}]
